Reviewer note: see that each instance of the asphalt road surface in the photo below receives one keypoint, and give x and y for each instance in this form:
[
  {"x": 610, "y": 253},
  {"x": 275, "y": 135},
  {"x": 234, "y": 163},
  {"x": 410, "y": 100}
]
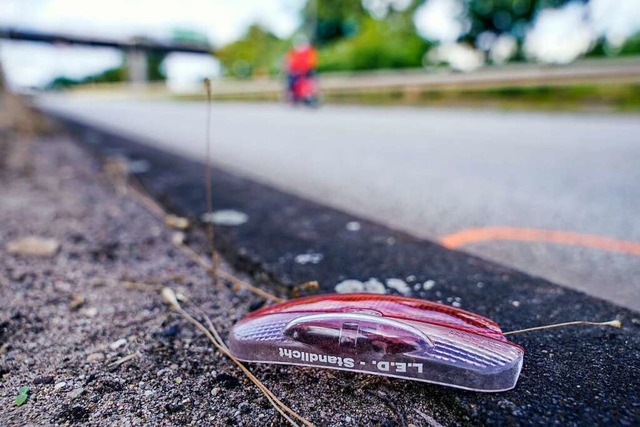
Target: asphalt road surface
[{"x": 555, "y": 195}]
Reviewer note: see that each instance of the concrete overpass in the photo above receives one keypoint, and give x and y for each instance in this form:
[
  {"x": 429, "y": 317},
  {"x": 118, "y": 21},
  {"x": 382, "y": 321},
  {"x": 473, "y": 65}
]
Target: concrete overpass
[{"x": 135, "y": 48}]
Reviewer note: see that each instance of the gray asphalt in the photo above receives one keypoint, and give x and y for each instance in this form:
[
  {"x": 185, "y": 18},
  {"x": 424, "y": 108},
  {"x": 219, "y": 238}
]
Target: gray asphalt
[{"x": 428, "y": 172}]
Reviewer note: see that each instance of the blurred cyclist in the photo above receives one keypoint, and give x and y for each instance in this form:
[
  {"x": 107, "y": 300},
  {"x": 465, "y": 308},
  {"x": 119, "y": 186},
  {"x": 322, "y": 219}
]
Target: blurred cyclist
[{"x": 301, "y": 67}]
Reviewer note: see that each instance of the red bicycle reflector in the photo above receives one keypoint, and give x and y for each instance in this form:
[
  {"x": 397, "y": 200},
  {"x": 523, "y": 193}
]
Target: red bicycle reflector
[{"x": 382, "y": 335}]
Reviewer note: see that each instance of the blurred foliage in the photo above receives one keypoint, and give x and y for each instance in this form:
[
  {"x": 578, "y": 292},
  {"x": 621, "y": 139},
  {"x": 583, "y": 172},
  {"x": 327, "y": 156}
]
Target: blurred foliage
[
  {"x": 155, "y": 71},
  {"x": 331, "y": 20},
  {"x": 258, "y": 52},
  {"x": 505, "y": 16},
  {"x": 112, "y": 75},
  {"x": 392, "y": 43},
  {"x": 631, "y": 46},
  {"x": 362, "y": 35},
  {"x": 347, "y": 37},
  {"x": 350, "y": 36}
]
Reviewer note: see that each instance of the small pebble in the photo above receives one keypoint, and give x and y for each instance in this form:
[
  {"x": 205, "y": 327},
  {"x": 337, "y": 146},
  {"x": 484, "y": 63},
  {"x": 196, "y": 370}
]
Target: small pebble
[
  {"x": 90, "y": 312},
  {"x": 178, "y": 238},
  {"x": 117, "y": 344},
  {"x": 349, "y": 286},
  {"x": 170, "y": 331},
  {"x": 353, "y": 226},
  {"x": 227, "y": 217},
  {"x": 95, "y": 357},
  {"x": 60, "y": 385},
  {"x": 515, "y": 303},
  {"x": 215, "y": 391},
  {"x": 374, "y": 286},
  {"x": 47, "y": 379},
  {"x": 304, "y": 259},
  {"x": 76, "y": 392},
  {"x": 178, "y": 380},
  {"x": 399, "y": 285}
]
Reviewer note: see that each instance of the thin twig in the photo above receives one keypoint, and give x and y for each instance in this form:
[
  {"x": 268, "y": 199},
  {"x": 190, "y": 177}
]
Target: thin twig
[
  {"x": 140, "y": 286},
  {"x": 136, "y": 191},
  {"x": 213, "y": 336},
  {"x": 383, "y": 397},
  {"x": 613, "y": 323},
  {"x": 233, "y": 279},
  {"x": 429, "y": 419},
  {"x": 207, "y": 181},
  {"x": 157, "y": 210},
  {"x": 204, "y": 263},
  {"x": 123, "y": 360}
]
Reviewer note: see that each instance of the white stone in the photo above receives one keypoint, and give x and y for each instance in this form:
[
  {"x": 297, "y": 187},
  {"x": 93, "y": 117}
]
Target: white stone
[
  {"x": 117, "y": 344},
  {"x": 303, "y": 259},
  {"x": 353, "y": 226},
  {"x": 374, "y": 286},
  {"x": 429, "y": 284},
  {"x": 349, "y": 286},
  {"x": 400, "y": 286},
  {"x": 229, "y": 217}
]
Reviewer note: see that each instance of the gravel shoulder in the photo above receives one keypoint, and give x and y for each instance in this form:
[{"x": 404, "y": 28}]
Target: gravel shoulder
[{"x": 94, "y": 351}]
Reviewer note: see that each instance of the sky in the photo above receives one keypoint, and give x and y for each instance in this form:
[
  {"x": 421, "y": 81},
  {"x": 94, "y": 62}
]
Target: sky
[
  {"x": 29, "y": 64},
  {"x": 557, "y": 36}
]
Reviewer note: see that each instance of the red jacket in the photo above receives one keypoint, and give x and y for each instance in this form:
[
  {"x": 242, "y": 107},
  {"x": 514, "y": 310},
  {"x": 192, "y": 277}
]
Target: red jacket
[{"x": 301, "y": 61}]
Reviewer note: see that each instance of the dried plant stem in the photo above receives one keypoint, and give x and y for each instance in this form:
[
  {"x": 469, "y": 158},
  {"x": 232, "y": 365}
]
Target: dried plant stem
[
  {"x": 123, "y": 360},
  {"x": 613, "y": 323},
  {"x": 233, "y": 279},
  {"x": 149, "y": 203},
  {"x": 204, "y": 263},
  {"x": 159, "y": 212},
  {"x": 128, "y": 284},
  {"x": 213, "y": 336},
  {"x": 207, "y": 181}
]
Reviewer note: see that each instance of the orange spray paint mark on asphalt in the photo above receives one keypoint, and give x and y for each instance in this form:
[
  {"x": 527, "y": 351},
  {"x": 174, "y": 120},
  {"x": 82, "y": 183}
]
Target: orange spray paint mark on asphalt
[{"x": 474, "y": 235}]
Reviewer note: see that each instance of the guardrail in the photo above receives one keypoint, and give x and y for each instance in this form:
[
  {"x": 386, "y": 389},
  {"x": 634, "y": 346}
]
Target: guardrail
[{"x": 413, "y": 82}]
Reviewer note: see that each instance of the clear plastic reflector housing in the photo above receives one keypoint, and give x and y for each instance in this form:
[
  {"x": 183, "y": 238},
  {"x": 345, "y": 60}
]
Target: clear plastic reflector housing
[{"x": 382, "y": 335}]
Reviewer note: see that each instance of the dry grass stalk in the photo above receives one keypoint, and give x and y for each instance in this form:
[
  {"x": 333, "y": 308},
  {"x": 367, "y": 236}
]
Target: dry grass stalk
[
  {"x": 157, "y": 210},
  {"x": 122, "y": 360},
  {"x": 204, "y": 263},
  {"x": 140, "y": 286},
  {"x": 612, "y": 323},
  {"x": 215, "y": 261},
  {"x": 212, "y": 334}
]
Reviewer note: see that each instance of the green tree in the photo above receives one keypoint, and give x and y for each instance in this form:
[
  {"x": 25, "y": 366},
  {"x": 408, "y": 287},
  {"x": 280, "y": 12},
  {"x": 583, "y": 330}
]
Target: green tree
[
  {"x": 257, "y": 52},
  {"x": 505, "y": 16},
  {"x": 631, "y": 46},
  {"x": 111, "y": 75},
  {"x": 326, "y": 21},
  {"x": 154, "y": 66},
  {"x": 389, "y": 43}
]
